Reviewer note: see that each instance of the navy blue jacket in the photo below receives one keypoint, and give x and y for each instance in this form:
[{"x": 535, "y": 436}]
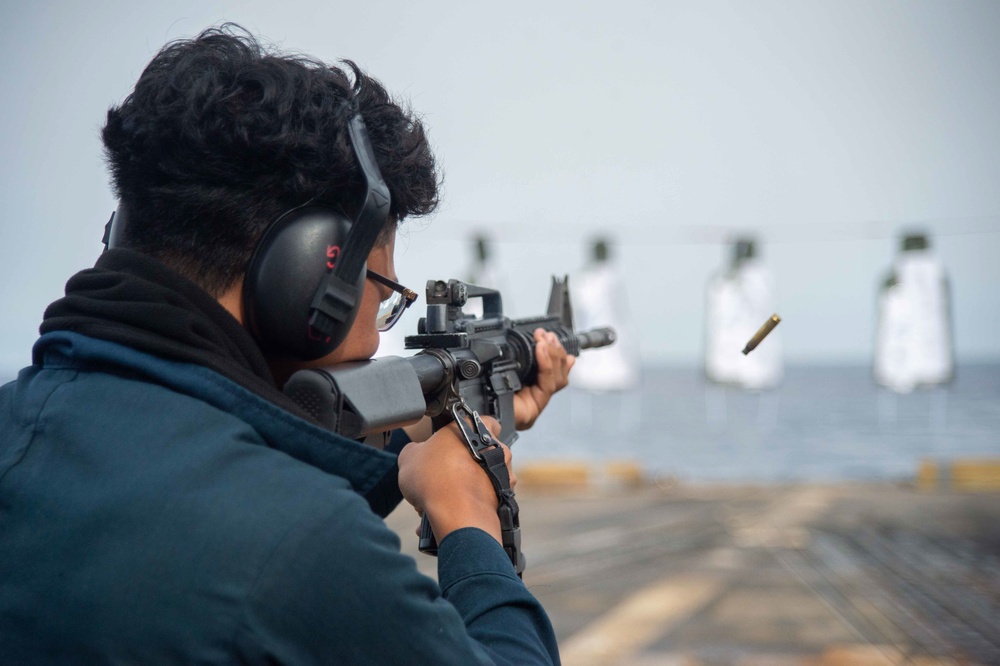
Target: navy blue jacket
[{"x": 153, "y": 511}]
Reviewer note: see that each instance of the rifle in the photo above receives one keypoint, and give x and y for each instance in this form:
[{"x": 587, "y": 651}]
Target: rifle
[{"x": 467, "y": 366}]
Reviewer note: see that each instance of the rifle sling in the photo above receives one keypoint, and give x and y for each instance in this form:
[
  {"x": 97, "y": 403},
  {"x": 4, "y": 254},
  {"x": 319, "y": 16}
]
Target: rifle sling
[{"x": 493, "y": 463}]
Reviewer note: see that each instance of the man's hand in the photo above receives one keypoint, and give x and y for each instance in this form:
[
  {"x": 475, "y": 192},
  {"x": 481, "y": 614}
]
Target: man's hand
[
  {"x": 554, "y": 365},
  {"x": 440, "y": 478}
]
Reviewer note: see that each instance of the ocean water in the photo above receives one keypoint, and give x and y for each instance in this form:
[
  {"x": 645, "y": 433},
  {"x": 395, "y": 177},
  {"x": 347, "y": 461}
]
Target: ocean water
[{"x": 822, "y": 423}]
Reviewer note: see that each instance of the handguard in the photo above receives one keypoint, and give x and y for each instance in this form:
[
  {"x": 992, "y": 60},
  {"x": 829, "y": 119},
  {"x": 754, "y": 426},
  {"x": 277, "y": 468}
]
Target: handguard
[{"x": 485, "y": 450}]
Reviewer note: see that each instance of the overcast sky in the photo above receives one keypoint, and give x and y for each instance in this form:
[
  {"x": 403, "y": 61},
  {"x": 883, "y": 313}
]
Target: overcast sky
[{"x": 828, "y": 127}]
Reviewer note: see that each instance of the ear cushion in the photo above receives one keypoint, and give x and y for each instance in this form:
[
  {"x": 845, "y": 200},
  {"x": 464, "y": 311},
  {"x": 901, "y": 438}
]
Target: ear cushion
[{"x": 286, "y": 269}]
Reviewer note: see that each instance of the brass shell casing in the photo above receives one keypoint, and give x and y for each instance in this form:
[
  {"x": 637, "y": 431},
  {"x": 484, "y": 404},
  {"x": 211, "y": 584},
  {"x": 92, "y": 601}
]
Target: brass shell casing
[{"x": 761, "y": 333}]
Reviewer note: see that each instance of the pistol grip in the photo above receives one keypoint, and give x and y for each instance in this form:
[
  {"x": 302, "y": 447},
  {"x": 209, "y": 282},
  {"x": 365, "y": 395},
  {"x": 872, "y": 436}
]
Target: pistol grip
[{"x": 428, "y": 544}]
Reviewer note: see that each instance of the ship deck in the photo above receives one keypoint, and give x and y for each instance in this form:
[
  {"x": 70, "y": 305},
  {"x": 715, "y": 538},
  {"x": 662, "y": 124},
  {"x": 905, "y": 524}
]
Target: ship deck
[{"x": 781, "y": 574}]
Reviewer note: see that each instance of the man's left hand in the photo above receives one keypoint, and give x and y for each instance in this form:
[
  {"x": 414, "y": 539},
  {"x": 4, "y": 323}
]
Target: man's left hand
[{"x": 554, "y": 365}]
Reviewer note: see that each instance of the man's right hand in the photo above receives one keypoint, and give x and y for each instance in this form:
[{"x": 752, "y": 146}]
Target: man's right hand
[{"x": 440, "y": 478}]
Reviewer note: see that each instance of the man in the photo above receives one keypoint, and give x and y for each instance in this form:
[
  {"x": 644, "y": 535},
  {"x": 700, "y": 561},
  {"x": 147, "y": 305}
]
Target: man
[{"x": 161, "y": 499}]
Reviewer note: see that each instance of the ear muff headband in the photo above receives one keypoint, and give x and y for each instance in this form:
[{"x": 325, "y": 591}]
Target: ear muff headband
[{"x": 338, "y": 294}]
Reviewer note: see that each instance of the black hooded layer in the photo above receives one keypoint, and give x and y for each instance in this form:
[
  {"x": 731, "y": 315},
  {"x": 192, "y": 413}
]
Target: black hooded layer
[{"x": 132, "y": 299}]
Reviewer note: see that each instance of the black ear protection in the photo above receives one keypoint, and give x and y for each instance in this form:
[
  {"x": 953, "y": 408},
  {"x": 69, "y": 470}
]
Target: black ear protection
[
  {"x": 304, "y": 283},
  {"x": 114, "y": 228}
]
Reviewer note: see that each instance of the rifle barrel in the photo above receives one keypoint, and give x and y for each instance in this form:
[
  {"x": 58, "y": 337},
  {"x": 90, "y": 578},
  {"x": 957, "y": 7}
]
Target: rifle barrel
[{"x": 598, "y": 337}]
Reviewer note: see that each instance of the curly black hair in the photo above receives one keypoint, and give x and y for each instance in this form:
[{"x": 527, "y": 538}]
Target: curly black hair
[{"x": 222, "y": 135}]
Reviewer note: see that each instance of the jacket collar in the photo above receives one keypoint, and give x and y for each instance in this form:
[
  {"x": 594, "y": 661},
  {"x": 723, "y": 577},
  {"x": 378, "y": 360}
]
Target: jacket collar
[
  {"x": 134, "y": 300},
  {"x": 365, "y": 468}
]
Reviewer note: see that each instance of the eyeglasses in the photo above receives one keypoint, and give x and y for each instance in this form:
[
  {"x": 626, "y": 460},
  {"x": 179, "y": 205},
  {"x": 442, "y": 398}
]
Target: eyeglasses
[{"x": 392, "y": 308}]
